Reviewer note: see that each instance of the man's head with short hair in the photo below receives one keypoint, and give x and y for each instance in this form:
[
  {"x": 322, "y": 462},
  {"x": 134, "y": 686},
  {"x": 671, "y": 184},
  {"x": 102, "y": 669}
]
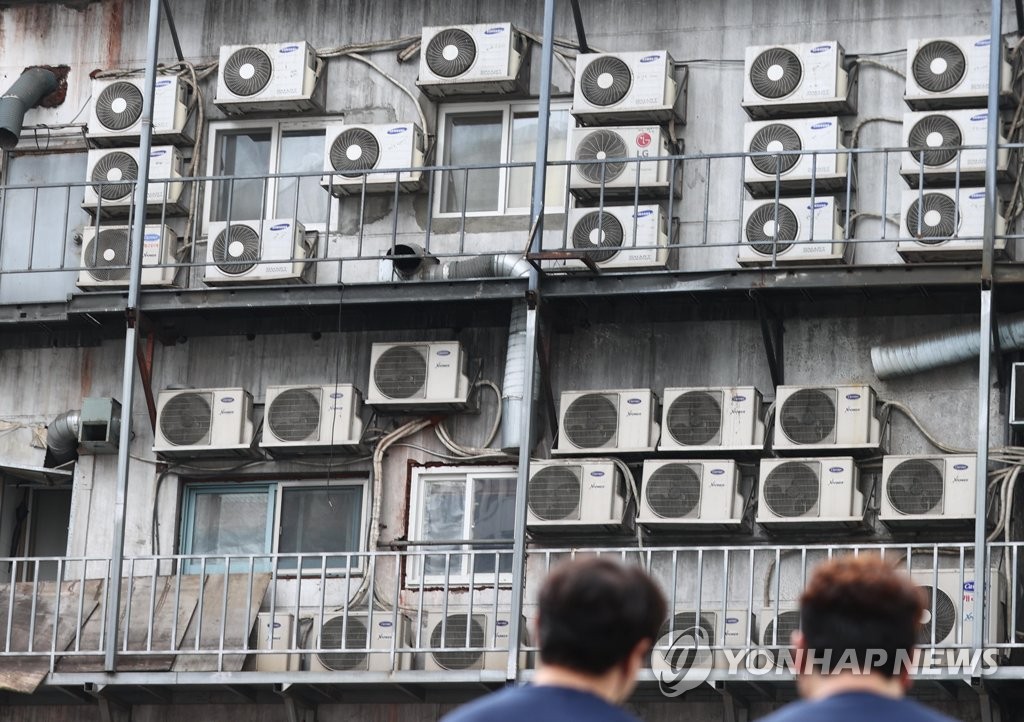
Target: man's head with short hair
[{"x": 595, "y": 614}]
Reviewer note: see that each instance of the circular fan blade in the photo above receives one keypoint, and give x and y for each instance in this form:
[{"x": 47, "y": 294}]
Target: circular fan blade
[
  {"x": 400, "y": 372},
  {"x": 765, "y": 232},
  {"x": 106, "y": 256},
  {"x": 939, "y": 221},
  {"x": 601, "y": 145},
  {"x": 772, "y": 139},
  {"x": 775, "y": 73},
  {"x": 944, "y": 619},
  {"x": 791, "y": 489},
  {"x": 934, "y": 140},
  {"x": 455, "y": 638},
  {"x": 339, "y": 633},
  {"x": 247, "y": 71},
  {"x": 294, "y": 415},
  {"x": 915, "y": 486},
  {"x": 694, "y": 418},
  {"x": 605, "y": 81},
  {"x": 114, "y": 167},
  {"x": 119, "y": 105},
  {"x": 590, "y": 421},
  {"x": 554, "y": 493},
  {"x": 354, "y": 149},
  {"x": 185, "y": 419},
  {"x": 598, "y": 230},
  {"x": 939, "y": 66},
  {"x": 450, "y": 53},
  {"x": 808, "y": 416},
  {"x": 237, "y": 250},
  {"x": 673, "y": 491}
]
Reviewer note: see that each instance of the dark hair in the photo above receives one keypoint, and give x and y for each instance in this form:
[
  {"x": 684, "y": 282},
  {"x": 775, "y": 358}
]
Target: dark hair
[
  {"x": 856, "y": 604},
  {"x": 594, "y": 611}
]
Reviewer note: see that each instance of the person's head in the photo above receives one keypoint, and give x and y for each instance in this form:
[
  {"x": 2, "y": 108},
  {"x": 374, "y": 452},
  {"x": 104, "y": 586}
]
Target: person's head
[
  {"x": 859, "y": 615},
  {"x": 599, "y": 618}
]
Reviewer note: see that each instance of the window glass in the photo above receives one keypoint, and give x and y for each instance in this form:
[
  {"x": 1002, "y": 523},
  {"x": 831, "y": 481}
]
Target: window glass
[
  {"x": 301, "y": 151},
  {"x": 320, "y": 520},
  {"x": 472, "y": 139},
  {"x": 444, "y": 509},
  {"x": 524, "y": 149},
  {"x": 229, "y": 522},
  {"x": 241, "y": 153},
  {"x": 494, "y": 505}
]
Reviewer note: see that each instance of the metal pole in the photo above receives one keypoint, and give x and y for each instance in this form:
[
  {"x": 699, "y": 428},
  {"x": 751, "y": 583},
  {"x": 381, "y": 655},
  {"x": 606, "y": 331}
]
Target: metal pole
[
  {"x": 985, "y": 331},
  {"x": 581, "y": 33},
  {"x": 131, "y": 338},
  {"x": 532, "y": 302}
]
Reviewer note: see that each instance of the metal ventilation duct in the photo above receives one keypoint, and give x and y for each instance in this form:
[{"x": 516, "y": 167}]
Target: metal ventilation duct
[{"x": 33, "y": 85}]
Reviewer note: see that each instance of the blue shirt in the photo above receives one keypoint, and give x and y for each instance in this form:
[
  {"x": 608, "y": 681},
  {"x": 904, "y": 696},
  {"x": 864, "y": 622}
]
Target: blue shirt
[
  {"x": 857, "y": 707},
  {"x": 539, "y": 704}
]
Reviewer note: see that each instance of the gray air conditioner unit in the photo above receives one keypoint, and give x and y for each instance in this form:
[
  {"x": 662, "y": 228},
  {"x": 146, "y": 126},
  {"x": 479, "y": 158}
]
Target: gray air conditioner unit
[
  {"x": 950, "y": 606},
  {"x": 608, "y": 422},
  {"x": 418, "y": 376},
  {"x": 934, "y": 141},
  {"x": 353, "y": 152},
  {"x": 106, "y": 257},
  {"x": 266, "y": 251},
  {"x": 701, "y": 419},
  {"x": 312, "y": 419},
  {"x": 690, "y": 494},
  {"x": 802, "y": 145},
  {"x": 792, "y": 231},
  {"x": 575, "y": 496},
  {"x": 203, "y": 422},
  {"x": 615, "y": 238},
  {"x": 798, "y": 494},
  {"x": 626, "y": 171},
  {"x": 257, "y": 78},
  {"x": 793, "y": 80},
  {"x": 825, "y": 417},
  {"x": 633, "y": 87},
  {"x": 680, "y": 634},
  {"x": 112, "y": 174},
  {"x": 953, "y": 72},
  {"x": 459, "y": 641},
  {"x": 928, "y": 491},
  {"x": 486, "y": 59},
  {"x": 360, "y": 641},
  {"x": 943, "y": 224},
  {"x": 116, "y": 115}
]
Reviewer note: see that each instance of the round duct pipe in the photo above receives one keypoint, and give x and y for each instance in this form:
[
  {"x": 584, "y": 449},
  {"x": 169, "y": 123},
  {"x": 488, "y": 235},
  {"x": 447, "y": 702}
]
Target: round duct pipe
[
  {"x": 33, "y": 85},
  {"x": 62, "y": 434}
]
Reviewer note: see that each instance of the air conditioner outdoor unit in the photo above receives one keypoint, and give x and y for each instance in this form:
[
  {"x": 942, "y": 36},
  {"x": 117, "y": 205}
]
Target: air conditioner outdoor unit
[
  {"x": 809, "y": 493},
  {"x": 625, "y": 171},
  {"x": 608, "y": 422},
  {"x": 116, "y": 115},
  {"x": 354, "y": 641},
  {"x": 800, "y": 79},
  {"x": 106, "y": 256},
  {"x": 458, "y": 640},
  {"x": 825, "y": 417},
  {"x": 616, "y": 238},
  {"x": 715, "y": 418},
  {"x": 776, "y": 628},
  {"x": 790, "y": 232},
  {"x": 697, "y": 493},
  {"x": 794, "y": 170},
  {"x": 113, "y": 173},
  {"x": 203, "y": 422},
  {"x": 680, "y": 635},
  {"x": 272, "y": 250},
  {"x": 485, "y": 59},
  {"x": 928, "y": 491},
  {"x": 950, "y": 607},
  {"x": 625, "y": 88},
  {"x": 934, "y": 139},
  {"x": 418, "y": 376},
  {"x": 946, "y": 225},
  {"x": 313, "y": 419},
  {"x": 278, "y": 76},
  {"x": 274, "y": 634},
  {"x": 954, "y": 73},
  {"x": 352, "y": 150},
  {"x": 575, "y": 496}
]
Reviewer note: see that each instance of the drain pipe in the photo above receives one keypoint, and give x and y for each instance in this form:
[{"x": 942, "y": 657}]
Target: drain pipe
[
  {"x": 942, "y": 348},
  {"x": 33, "y": 85}
]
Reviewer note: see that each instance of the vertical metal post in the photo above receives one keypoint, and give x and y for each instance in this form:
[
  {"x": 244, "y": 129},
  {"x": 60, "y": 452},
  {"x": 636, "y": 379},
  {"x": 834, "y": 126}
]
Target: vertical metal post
[
  {"x": 532, "y": 302},
  {"x": 987, "y": 292},
  {"x": 130, "y": 340}
]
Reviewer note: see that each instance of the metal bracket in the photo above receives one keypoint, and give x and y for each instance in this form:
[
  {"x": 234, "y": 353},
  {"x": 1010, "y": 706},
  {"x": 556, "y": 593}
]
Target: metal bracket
[
  {"x": 990, "y": 711},
  {"x": 544, "y": 359},
  {"x": 111, "y": 710},
  {"x": 1019, "y": 4},
  {"x": 736, "y": 708},
  {"x": 772, "y": 332},
  {"x": 144, "y": 358},
  {"x": 581, "y": 33},
  {"x": 296, "y": 708},
  {"x": 536, "y": 259}
]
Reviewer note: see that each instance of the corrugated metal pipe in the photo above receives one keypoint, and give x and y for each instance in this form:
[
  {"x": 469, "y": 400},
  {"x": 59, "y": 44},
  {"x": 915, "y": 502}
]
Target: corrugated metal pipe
[
  {"x": 33, "y": 85},
  {"x": 942, "y": 348},
  {"x": 62, "y": 434},
  {"x": 411, "y": 262}
]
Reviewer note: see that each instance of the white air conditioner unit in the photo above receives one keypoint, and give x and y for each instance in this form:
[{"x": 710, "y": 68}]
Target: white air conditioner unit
[
  {"x": 950, "y": 607},
  {"x": 685, "y": 631},
  {"x": 486, "y": 59},
  {"x": 113, "y": 172},
  {"x": 313, "y": 419},
  {"x": 793, "y": 231},
  {"x": 680, "y": 494},
  {"x": 775, "y": 629},
  {"x": 116, "y": 115},
  {"x": 274, "y": 634},
  {"x": 106, "y": 256},
  {"x": 360, "y": 641},
  {"x": 825, "y": 417},
  {"x": 800, "y": 79},
  {"x": 615, "y": 238},
  {"x": 808, "y": 493},
  {"x": 279, "y": 76},
  {"x": 794, "y": 170},
  {"x": 625, "y": 171},
  {"x": 457, "y": 640},
  {"x": 928, "y": 491},
  {"x": 575, "y": 496},
  {"x": 203, "y": 422},
  {"x": 418, "y": 376},
  {"x": 625, "y": 88},
  {"x": 712, "y": 418},
  {"x": 271, "y": 250},
  {"x": 351, "y": 151},
  {"x": 946, "y": 225},
  {"x": 934, "y": 140},
  {"x": 954, "y": 72},
  {"x": 608, "y": 422}
]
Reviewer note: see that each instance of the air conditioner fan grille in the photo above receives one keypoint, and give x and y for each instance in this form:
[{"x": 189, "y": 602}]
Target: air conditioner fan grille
[
  {"x": 401, "y": 372},
  {"x": 112, "y": 167},
  {"x": 786, "y": 623},
  {"x": 694, "y": 418},
  {"x": 939, "y": 66},
  {"x": 106, "y": 255},
  {"x": 598, "y": 230},
  {"x": 775, "y": 73},
  {"x": 450, "y": 53},
  {"x": 236, "y": 249},
  {"x": 808, "y": 416},
  {"x": 601, "y": 145},
  {"x": 679, "y": 636},
  {"x": 338, "y": 634},
  {"x": 591, "y": 421},
  {"x": 119, "y": 105},
  {"x": 355, "y": 149},
  {"x": 455, "y": 636},
  {"x": 791, "y": 489},
  {"x": 605, "y": 81},
  {"x": 773, "y": 139},
  {"x": 766, "y": 231},
  {"x": 247, "y": 71},
  {"x": 673, "y": 491},
  {"x": 186, "y": 419},
  {"x": 915, "y": 486},
  {"x": 294, "y": 415},
  {"x": 944, "y": 618},
  {"x": 934, "y": 140},
  {"x": 553, "y": 493},
  {"x": 938, "y": 222}
]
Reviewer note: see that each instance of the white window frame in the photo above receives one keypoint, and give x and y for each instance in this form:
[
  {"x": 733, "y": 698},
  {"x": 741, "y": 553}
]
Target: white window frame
[
  {"x": 508, "y": 110},
  {"x": 467, "y": 474},
  {"x": 277, "y": 128}
]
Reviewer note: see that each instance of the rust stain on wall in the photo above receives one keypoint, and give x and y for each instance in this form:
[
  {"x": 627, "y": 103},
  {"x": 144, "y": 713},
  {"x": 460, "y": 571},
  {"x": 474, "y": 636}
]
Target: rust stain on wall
[
  {"x": 85, "y": 379},
  {"x": 114, "y": 14}
]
